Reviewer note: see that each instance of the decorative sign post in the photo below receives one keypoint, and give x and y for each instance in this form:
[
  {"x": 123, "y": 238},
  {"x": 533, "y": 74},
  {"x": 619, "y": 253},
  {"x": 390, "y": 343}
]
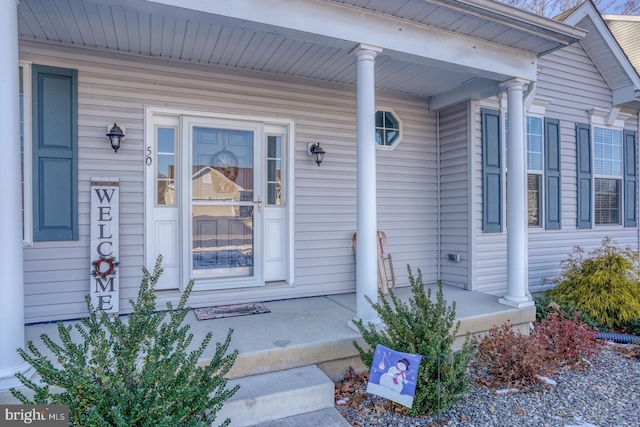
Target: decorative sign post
[{"x": 105, "y": 244}]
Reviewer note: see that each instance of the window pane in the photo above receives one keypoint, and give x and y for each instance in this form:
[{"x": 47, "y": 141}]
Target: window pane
[
  {"x": 391, "y": 136},
  {"x": 533, "y": 200},
  {"x": 274, "y": 170},
  {"x": 379, "y": 119},
  {"x": 607, "y": 151},
  {"x": 387, "y": 128},
  {"x": 223, "y": 240},
  {"x": 607, "y": 201},
  {"x": 534, "y": 143},
  {"x": 390, "y": 121},
  {"x": 165, "y": 166}
]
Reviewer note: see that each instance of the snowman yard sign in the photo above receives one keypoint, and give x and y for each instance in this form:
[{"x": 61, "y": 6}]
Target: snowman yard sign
[{"x": 393, "y": 375}]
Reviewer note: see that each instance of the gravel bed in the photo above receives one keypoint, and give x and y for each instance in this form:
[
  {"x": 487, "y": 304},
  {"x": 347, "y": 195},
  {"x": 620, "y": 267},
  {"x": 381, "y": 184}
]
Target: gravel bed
[{"x": 606, "y": 394}]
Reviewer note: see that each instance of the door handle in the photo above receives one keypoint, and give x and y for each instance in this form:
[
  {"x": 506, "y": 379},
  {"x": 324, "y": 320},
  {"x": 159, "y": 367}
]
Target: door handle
[{"x": 259, "y": 202}]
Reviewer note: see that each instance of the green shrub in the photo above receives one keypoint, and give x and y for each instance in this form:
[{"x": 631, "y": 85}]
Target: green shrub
[
  {"x": 426, "y": 328},
  {"x": 135, "y": 373},
  {"x": 603, "y": 283},
  {"x": 546, "y": 306},
  {"x": 632, "y": 327}
]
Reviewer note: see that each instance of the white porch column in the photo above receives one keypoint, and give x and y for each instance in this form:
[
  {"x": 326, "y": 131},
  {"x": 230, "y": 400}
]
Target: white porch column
[
  {"x": 367, "y": 228},
  {"x": 11, "y": 268},
  {"x": 517, "y": 224}
]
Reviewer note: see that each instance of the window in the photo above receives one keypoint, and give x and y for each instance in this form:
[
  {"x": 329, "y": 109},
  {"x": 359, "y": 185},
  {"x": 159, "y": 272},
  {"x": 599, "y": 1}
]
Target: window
[
  {"x": 607, "y": 165},
  {"x": 274, "y": 170},
  {"x": 25, "y": 152},
  {"x": 543, "y": 171},
  {"x": 606, "y": 171},
  {"x": 542, "y": 162},
  {"x": 534, "y": 167},
  {"x": 388, "y": 129},
  {"x": 534, "y": 171},
  {"x": 166, "y": 164}
]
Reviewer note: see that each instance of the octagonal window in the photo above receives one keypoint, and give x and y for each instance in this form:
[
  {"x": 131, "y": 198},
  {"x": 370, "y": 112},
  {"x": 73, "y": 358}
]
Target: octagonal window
[{"x": 388, "y": 129}]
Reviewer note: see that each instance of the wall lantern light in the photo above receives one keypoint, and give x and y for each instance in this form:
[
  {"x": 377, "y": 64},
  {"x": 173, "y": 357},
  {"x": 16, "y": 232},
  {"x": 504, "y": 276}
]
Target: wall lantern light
[
  {"x": 316, "y": 151},
  {"x": 116, "y": 136}
]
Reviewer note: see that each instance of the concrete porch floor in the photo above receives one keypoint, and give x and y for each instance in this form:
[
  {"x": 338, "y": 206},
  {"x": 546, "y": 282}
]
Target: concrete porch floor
[{"x": 314, "y": 331}]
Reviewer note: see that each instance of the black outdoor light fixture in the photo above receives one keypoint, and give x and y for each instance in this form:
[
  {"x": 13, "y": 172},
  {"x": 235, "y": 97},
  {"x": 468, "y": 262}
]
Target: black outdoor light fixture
[
  {"x": 116, "y": 136},
  {"x": 316, "y": 151}
]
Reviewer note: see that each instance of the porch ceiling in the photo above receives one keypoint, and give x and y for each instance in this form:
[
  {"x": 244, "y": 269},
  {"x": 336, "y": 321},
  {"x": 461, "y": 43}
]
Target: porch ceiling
[{"x": 153, "y": 29}]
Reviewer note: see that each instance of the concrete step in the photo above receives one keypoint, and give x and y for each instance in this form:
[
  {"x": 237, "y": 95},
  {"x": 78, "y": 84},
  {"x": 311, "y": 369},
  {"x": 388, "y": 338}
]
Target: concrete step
[
  {"x": 277, "y": 395},
  {"x": 329, "y": 417}
]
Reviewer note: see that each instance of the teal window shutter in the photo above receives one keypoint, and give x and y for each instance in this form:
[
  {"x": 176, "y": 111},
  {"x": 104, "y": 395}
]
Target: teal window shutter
[
  {"x": 583, "y": 154},
  {"x": 630, "y": 179},
  {"x": 55, "y": 153},
  {"x": 491, "y": 172},
  {"x": 552, "y": 193}
]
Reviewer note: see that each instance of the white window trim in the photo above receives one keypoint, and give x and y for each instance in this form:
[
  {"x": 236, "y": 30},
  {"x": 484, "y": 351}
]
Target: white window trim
[
  {"x": 611, "y": 119},
  {"x": 400, "y": 130},
  {"x": 539, "y": 172},
  {"x": 27, "y": 195}
]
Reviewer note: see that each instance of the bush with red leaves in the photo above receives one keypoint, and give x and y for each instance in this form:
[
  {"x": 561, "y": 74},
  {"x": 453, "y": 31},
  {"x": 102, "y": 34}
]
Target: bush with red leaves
[
  {"x": 517, "y": 360},
  {"x": 570, "y": 342},
  {"x": 512, "y": 358}
]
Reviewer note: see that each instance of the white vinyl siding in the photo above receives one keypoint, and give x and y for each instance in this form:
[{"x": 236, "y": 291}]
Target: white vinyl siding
[
  {"x": 570, "y": 79},
  {"x": 454, "y": 195},
  {"x": 116, "y": 88}
]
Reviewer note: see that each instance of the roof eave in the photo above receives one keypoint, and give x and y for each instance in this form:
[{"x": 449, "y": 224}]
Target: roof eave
[{"x": 559, "y": 31}]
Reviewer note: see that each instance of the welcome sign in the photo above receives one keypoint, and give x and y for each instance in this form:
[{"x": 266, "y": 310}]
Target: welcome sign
[{"x": 105, "y": 244}]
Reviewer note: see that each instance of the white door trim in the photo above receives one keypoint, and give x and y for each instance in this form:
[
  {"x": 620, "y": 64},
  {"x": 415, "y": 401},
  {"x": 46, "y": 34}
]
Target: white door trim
[{"x": 289, "y": 241}]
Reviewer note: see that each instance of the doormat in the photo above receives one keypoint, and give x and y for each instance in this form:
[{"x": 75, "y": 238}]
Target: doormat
[{"x": 232, "y": 310}]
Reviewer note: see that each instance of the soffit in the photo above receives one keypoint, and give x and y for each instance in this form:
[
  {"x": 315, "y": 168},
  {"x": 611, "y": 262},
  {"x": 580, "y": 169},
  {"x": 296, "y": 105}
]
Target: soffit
[{"x": 156, "y": 30}]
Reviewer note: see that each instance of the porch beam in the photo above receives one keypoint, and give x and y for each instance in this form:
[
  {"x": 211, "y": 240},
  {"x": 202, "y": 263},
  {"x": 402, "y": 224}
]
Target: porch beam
[
  {"x": 476, "y": 89},
  {"x": 367, "y": 227},
  {"x": 11, "y": 265},
  {"x": 324, "y": 22},
  {"x": 517, "y": 224}
]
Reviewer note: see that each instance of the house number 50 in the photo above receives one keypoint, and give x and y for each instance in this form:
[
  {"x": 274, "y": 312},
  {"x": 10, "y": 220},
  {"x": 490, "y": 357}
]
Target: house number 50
[{"x": 148, "y": 160}]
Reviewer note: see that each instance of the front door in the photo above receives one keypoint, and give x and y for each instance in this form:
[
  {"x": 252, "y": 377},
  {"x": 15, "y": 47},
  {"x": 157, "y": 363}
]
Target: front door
[
  {"x": 224, "y": 203},
  {"x": 216, "y": 209}
]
